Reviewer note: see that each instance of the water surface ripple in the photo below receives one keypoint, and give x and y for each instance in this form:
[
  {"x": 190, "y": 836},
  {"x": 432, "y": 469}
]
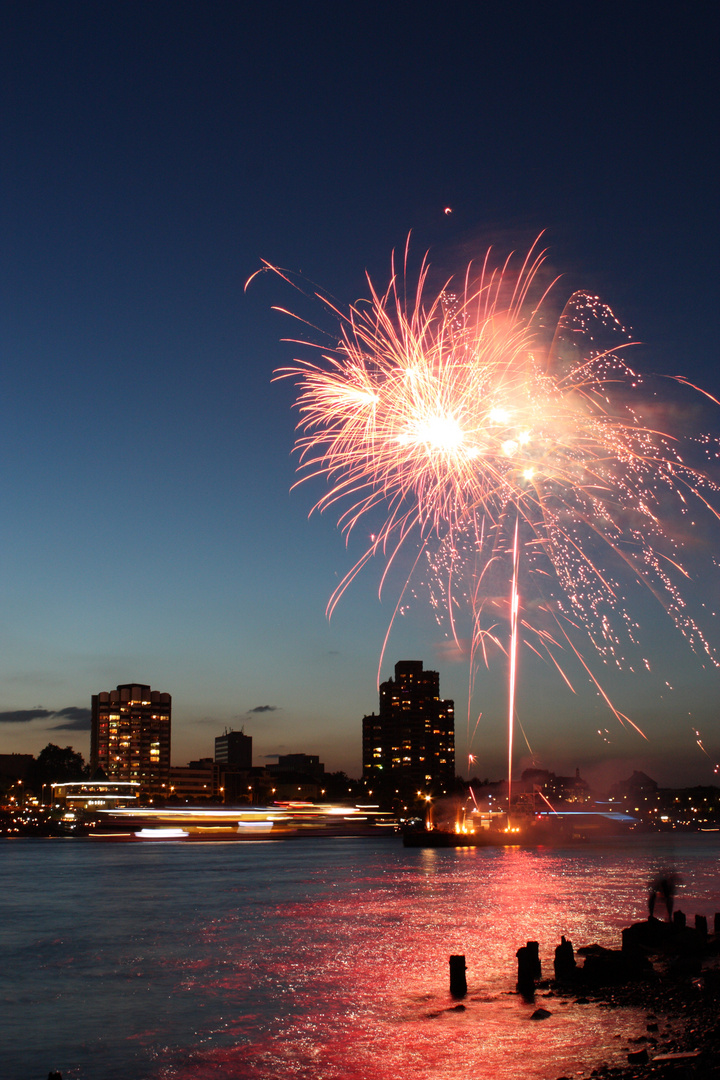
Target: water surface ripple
[{"x": 312, "y": 959}]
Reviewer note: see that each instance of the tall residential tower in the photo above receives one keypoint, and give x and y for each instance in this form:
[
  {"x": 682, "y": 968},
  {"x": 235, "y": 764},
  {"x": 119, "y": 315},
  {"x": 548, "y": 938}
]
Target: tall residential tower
[
  {"x": 410, "y": 745},
  {"x": 131, "y": 736}
]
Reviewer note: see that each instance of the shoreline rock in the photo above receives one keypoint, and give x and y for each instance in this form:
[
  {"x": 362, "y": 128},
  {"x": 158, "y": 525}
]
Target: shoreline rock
[{"x": 673, "y": 973}]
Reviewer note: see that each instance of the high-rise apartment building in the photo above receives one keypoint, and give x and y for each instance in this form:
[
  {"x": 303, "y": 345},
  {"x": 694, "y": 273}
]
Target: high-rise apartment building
[
  {"x": 130, "y": 737},
  {"x": 410, "y": 744}
]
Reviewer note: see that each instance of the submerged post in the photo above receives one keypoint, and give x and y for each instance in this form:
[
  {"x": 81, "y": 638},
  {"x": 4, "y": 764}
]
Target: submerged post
[{"x": 458, "y": 981}]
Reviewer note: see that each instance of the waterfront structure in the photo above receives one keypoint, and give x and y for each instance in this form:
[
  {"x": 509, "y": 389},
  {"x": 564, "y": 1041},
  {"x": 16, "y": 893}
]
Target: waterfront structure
[
  {"x": 409, "y": 746},
  {"x": 94, "y": 794},
  {"x": 130, "y": 737},
  {"x": 548, "y": 786}
]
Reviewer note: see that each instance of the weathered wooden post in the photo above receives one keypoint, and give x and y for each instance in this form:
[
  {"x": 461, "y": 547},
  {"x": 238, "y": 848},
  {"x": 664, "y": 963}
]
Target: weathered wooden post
[
  {"x": 679, "y": 920},
  {"x": 458, "y": 981},
  {"x": 701, "y": 925},
  {"x": 716, "y": 923},
  {"x": 528, "y": 958},
  {"x": 565, "y": 965}
]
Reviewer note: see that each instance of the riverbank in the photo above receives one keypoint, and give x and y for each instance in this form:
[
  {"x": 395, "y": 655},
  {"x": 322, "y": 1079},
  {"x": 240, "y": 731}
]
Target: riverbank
[
  {"x": 682, "y": 1040},
  {"x": 680, "y": 995}
]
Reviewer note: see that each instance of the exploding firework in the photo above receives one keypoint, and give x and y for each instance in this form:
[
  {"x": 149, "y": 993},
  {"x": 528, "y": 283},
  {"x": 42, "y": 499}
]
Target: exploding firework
[{"x": 511, "y": 454}]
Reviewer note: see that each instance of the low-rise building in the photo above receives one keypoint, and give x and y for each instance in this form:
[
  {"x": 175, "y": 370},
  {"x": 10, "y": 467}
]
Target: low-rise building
[{"x": 198, "y": 781}]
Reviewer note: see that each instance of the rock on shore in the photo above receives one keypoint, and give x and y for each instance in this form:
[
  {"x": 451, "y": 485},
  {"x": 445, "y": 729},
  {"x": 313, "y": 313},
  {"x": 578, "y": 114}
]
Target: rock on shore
[{"x": 672, "y": 972}]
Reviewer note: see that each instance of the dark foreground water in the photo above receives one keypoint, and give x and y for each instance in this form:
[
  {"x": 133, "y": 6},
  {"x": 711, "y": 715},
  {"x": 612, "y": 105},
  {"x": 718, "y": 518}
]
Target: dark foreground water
[{"x": 311, "y": 959}]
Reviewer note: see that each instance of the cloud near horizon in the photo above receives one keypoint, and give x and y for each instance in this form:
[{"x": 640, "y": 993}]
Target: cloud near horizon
[
  {"x": 262, "y": 709},
  {"x": 72, "y": 718}
]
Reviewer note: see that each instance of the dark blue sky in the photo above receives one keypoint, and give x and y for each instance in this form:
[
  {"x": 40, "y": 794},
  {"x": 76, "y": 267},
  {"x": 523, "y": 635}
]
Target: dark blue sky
[{"x": 152, "y": 155}]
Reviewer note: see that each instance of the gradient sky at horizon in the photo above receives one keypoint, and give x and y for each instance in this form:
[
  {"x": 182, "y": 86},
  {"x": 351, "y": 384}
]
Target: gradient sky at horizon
[{"x": 152, "y": 155}]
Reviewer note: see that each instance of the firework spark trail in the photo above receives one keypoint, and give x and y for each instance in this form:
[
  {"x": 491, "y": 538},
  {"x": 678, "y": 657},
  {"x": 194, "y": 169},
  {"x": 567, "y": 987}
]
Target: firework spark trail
[
  {"x": 478, "y": 434},
  {"x": 701, "y": 744},
  {"x": 514, "y": 609}
]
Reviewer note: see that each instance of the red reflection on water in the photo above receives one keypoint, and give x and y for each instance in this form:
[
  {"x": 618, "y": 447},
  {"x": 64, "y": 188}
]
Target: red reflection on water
[{"x": 351, "y": 983}]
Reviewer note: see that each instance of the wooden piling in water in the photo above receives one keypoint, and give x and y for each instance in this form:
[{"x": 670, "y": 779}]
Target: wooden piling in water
[
  {"x": 458, "y": 981},
  {"x": 528, "y": 958},
  {"x": 565, "y": 965}
]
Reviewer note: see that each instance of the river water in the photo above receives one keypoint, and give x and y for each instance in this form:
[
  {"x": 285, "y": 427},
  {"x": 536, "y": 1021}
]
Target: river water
[{"x": 312, "y": 959}]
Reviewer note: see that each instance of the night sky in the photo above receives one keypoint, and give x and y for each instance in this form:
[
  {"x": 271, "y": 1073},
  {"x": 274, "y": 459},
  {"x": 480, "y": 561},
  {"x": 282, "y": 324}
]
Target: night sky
[{"x": 152, "y": 155}]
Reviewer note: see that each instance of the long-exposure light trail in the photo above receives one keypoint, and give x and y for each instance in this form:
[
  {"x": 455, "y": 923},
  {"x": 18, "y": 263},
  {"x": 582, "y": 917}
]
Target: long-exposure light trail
[{"x": 513, "y": 454}]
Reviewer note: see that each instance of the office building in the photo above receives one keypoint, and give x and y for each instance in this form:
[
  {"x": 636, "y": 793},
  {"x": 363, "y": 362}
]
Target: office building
[
  {"x": 409, "y": 746},
  {"x": 298, "y": 777},
  {"x": 198, "y": 781},
  {"x": 298, "y": 763},
  {"x": 130, "y": 737},
  {"x": 234, "y": 749}
]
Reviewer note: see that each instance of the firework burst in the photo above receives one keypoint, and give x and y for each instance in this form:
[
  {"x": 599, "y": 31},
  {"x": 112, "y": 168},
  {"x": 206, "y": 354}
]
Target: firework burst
[{"x": 510, "y": 452}]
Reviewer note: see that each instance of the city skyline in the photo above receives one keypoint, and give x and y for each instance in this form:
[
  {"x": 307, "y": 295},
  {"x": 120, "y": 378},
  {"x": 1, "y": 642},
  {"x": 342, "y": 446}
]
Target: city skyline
[{"x": 149, "y": 527}]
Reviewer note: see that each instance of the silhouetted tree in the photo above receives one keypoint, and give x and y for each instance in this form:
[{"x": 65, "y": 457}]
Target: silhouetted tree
[
  {"x": 339, "y": 787},
  {"x": 55, "y": 765}
]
